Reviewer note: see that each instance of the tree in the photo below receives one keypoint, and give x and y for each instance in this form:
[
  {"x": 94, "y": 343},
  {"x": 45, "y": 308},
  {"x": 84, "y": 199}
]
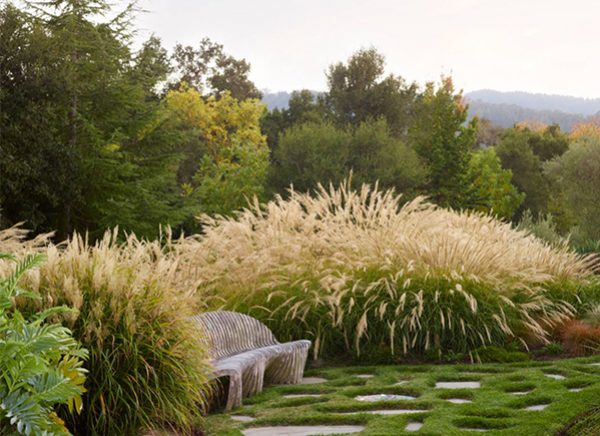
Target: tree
[
  {"x": 444, "y": 139},
  {"x": 490, "y": 187},
  {"x": 34, "y": 167},
  {"x": 584, "y": 130},
  {"x": 524, "y": 151},
  {"x": 211, "y": 71},
  {"x": 358, "y": 91},
  {"x": 516, "y": 155},
  {"x": 309, "y": 154},
  {"x": 577, "y": 173},
  {"x": 229, "y": 183},
  {"x": 227, "y": 157},
  {"x": 376, "y": 155},
  {"x": 313, "y": 153},
  {"x": 303, "y": 107},
  {"x": 488, "y": 134},
  {"x": 82, "y": 142},
  {"x": 549, "y": 143}
]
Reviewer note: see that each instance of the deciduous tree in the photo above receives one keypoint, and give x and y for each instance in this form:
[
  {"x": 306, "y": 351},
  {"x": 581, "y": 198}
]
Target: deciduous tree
[
  {"x": 211, "y": 71},
  {"x": 490, "y": 187},
  {"x": 444, "y": 138}
]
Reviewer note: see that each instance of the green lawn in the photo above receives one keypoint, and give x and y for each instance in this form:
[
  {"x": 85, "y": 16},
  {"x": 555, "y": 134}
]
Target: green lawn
[{"x": 493, "y": 406}]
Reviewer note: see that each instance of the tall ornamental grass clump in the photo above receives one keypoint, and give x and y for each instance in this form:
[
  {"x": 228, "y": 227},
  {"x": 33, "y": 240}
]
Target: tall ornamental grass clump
[
  {"x": 357, "y": 270},
  {"x": 146, "y": 366}
]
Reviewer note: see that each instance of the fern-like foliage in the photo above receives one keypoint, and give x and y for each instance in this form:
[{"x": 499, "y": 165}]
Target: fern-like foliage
[{"x": 40, "y": 362}]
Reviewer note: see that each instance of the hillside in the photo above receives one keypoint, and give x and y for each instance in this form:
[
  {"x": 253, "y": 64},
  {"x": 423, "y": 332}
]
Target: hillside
[
  {"x": 506, "y": 115},
  {"x": 540, "y": 102},
  {"x": 276, "y": 100}
]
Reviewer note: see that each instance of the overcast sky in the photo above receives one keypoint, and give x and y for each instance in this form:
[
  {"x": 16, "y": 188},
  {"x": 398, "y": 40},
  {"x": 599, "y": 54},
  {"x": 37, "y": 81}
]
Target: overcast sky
[{"x": 548, "y": 46}]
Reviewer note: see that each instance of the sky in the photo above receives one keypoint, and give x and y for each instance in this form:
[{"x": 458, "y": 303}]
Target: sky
[{"x": 548, "y": 46}]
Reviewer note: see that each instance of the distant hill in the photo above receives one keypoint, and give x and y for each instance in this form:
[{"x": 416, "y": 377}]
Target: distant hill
[
  {"x": 505, "y": 109},
  {"x": 541, "y": 102},
  {"x": 507, "y": 115},
  {"x": 279, "y": 100},
  {"x": 276, "y": 100}
]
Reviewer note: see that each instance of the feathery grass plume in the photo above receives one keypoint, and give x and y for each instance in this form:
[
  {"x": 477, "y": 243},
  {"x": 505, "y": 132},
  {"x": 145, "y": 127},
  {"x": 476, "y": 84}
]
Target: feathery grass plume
[
  {"x": 146, "y": 365},
  {"x": 354, "y": 269}
]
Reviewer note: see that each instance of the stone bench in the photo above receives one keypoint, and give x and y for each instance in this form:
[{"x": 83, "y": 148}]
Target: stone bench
[{"x": 245, "y": 350}]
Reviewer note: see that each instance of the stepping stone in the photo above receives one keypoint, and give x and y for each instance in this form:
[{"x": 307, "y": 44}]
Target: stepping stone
[
  {"x": 556, "y": 376},
  {"x": 302, "y": 395},
  {"x": 402, "y": 382},
  {"x": 575, "y": 389},
  {"x": 458, "y": 385},
  {"x": 312, "y": 380},
  {"x": 595, "y": 364},
  {"x": 242, "y": 418},
  {"x": 384, "y": 397},
  {"x": 387, "y": 412},
  {"x": 458, "y": 400},
  {"x": 475, "y": 429},
  {"x": 537, "y": 407},
  {"x": 364, "y": 375},
  {"x": 520, "y": 393},
  {"x": 302, "y": 430},
  {"x": 413, "y": 426}
]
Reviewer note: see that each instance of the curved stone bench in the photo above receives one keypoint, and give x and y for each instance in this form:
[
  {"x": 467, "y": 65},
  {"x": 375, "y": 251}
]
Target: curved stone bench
[{"x": 245, "y": 350}]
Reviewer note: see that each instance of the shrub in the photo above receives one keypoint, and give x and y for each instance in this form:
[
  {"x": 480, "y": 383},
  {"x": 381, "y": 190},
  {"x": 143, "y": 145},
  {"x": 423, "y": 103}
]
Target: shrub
[
  {"x": 354, "y": 269},
  {"x": 146, "y": 365},
  {"x": 40, "y": 363},
  {"x": 580, "y": 338},
  {"x": 543, "y": 228}
]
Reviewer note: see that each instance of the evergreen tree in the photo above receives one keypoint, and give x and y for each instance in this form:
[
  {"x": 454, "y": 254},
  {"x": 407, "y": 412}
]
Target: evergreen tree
[{"x": 79, "y": 114}]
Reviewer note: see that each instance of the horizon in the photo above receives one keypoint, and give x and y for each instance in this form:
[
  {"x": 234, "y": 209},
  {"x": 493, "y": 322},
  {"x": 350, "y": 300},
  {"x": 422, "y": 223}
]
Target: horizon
[{"x": 512, "y": 47}]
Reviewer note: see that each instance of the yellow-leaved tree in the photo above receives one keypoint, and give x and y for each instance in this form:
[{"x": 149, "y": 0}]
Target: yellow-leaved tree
[
  {"x": 226, "y": 155},
  {"x": 585, "y": 130}
]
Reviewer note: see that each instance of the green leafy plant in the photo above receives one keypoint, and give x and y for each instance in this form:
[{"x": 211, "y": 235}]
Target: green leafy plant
[{"x": 40, "y": 362}]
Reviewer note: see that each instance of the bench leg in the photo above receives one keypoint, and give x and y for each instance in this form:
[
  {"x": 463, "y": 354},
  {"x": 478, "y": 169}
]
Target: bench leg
[
  {"x": 234, "y": 396},
  {"x": 287, "y": 368},
  {"x": 253, "y": 378},
  {"x": 300, "y": 356}
]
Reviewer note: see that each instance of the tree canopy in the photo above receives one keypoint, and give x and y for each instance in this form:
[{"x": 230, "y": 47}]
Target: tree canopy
[{"x": 95, "y": 133}]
